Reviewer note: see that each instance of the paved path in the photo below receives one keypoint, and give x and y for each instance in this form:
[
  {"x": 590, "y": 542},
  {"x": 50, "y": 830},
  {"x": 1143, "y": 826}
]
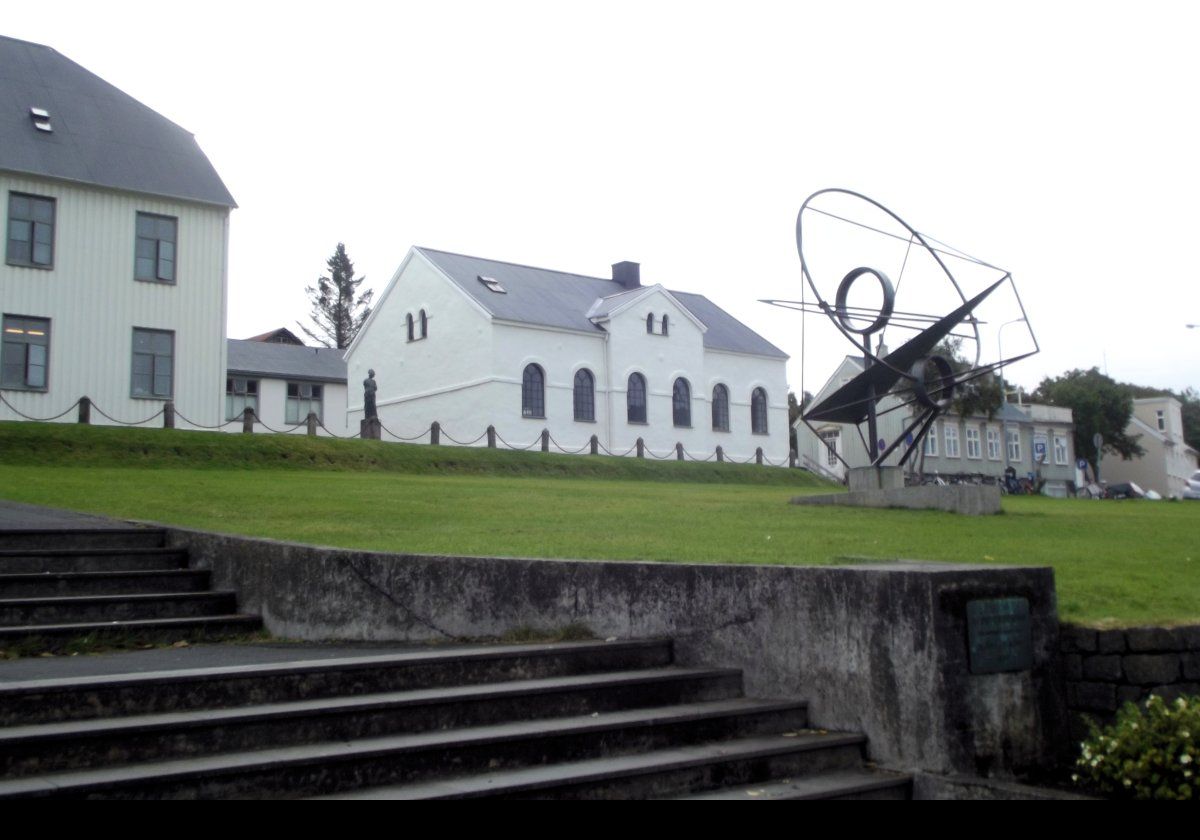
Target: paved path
[{"x": 15, "y": 516}]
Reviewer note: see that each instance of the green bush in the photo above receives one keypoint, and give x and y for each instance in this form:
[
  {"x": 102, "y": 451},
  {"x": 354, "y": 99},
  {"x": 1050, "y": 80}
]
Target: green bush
[{"x": 1150, "y": 751}]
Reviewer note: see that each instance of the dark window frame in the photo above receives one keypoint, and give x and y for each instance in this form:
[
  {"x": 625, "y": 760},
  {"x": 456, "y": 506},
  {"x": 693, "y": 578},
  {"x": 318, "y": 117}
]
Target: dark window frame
[
  {"x": 165, "y": 251},
  {"x": 34, "y": 226},
  {"x": 635, "y": 399},
  {"x": 16, "y": 342},
  {"x": 533, "y": 392},
  {"x": 585, "y": 396},
  {"x": 720, "y": 408},
  {"x": 681, "y": 403},
  {"x": 424, "y": 319},
  {"x": 758, "y": 412},
  {"x": 156, "y": 364}
]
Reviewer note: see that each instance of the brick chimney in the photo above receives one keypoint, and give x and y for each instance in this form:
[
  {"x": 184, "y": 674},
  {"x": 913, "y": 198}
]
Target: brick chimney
[{"x": 628, "y": 274}]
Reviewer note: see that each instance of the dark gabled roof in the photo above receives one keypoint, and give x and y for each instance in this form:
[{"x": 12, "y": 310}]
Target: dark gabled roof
[
  {"x": 282, "y": 335},
  {"x": 100, "y": 135},
  {"x": 285, "y": 361},
  {"x": 559, "y": 299}
]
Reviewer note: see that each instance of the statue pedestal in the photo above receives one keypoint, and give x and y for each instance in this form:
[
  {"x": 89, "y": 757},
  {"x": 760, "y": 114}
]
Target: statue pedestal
[
  {"x": 370, "y": 429},
  {"x": 875, "y": 478}
]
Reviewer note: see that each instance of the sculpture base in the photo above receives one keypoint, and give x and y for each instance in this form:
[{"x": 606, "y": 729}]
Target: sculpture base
[
  {"x": 370, "y": 429},
  {"x": 967, "y": 499}
]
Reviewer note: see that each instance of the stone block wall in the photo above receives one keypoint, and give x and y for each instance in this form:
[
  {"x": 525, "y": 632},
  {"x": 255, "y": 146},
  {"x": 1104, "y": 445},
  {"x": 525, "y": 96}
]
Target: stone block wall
[{"x": 1104, "y": 669}]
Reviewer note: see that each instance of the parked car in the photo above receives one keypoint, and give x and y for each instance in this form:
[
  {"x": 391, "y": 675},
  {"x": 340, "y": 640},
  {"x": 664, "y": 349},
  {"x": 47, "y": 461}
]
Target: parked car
[{"x": 1192, "y": 490}]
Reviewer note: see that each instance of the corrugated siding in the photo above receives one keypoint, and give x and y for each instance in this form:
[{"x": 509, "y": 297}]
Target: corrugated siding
[{"x": 94, "y": 303}]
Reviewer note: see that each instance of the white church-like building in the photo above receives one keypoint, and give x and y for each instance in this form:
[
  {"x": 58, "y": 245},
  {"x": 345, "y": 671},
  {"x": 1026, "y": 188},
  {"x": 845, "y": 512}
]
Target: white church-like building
[{"x": 471, "y": 343}]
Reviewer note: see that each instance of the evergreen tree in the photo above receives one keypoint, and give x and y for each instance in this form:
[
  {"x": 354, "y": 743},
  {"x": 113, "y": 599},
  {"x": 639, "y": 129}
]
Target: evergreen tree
[{"x": 336, "y": 315}]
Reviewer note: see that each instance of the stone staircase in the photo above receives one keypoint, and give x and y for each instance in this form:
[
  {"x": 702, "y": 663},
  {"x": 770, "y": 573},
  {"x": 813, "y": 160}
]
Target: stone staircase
[
  {"x": 575, "y": 720},
  {"x": 106, "y": 585}
]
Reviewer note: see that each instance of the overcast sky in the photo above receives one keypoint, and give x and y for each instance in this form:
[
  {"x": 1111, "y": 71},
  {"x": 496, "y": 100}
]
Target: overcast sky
[{"x": 1057, "y": 140}]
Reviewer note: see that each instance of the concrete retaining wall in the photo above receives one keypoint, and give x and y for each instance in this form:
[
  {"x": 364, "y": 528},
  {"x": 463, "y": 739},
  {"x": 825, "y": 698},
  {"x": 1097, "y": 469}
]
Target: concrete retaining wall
[
  {"x": 1104, "y": 669},
  {"x": 879, "y": 649}
]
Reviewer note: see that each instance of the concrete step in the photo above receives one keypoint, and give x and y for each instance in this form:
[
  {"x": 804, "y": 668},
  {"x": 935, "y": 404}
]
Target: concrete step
[
  {"x": 659, "y": 773},
  {"x": 845, "y": 784},
  {"x": 110, "y": 608},
  {"x": 44, "y": 701},
  {"x": 73, "y": 584},
  {"x": 26, "y": 750},
  {"x": 75, "y": 538},
  {"x": 53, "y": 637},
  {"x": 335, "y": 766},
  {"x": 29, "y": 560}
]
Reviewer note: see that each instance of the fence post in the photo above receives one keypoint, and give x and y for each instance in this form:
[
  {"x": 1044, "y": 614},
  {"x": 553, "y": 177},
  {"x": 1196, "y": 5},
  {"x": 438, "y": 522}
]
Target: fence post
[
  {"x": 311, "y": 420},
  {"x": 720, "y": 455},
  {"x": 595, "y": 445},
  {"x": 791, "y": 459},
  {"x": 491, "y": 437},
  {"x": 168, "y": 415},
  {"x": 435, "y": 434},
  {"x": 545, "y": 440},
  {"x": 758, "y": 456},
  {"x": 641, "y": 448},
  {"x": 85, "y": 410},
  {"x": 247, "y": 420},
  {"x": 678, "y": 451}
]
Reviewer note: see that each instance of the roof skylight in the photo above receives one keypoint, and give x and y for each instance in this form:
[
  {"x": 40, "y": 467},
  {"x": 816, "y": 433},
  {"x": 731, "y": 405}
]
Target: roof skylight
[
  {"x": 493, "y": 284},
  {"x": 41, "y": 119}
]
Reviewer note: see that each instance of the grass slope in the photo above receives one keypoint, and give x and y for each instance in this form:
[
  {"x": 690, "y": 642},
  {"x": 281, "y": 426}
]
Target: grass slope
[{"x": 1115, "y": 562}]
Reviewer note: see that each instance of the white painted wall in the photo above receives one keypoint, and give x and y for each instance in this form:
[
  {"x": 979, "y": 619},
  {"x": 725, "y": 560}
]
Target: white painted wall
[
  {"x": 93, "y": 303},
  {"x": 467, "y": 374},
  {"x": 272, "y": 409}
]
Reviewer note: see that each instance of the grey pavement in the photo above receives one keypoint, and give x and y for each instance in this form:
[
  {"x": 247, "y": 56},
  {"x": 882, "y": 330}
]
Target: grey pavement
[{"x": 16, "y": 516}]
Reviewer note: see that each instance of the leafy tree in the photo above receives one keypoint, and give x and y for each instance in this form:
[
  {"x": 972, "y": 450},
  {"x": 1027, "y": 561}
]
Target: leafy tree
[
  {"x": 336, "y": 315},
  {"x": 1099, "y": 405},
  {"x": 981, "y": 396}
]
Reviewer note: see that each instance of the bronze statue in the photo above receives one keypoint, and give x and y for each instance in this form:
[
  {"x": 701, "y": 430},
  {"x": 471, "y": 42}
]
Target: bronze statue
[{"x": 369, "y": 389}]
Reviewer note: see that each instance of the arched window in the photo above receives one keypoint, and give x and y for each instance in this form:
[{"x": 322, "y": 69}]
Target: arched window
[
  {"x": 410, "y": 326},
  {"x": 681, "y": 402},
  {"x": 585, "y": 396},
  {"x": 635, "y": 398},
  {"x": 664, "y": 325},
  {"x": 424, "y": 324},
  {"x": 533, "y": 392},
  {"x": 758, "y": 411},
  {"x": 650, "y": 323},
  {"x": 720, "y": 408}
]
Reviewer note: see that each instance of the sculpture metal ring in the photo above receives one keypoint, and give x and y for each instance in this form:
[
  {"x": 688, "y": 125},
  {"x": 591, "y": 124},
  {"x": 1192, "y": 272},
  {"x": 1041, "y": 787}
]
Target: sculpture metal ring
[
  {"x": 885, "y": 308},
  {"x": 941, "y": 399}
]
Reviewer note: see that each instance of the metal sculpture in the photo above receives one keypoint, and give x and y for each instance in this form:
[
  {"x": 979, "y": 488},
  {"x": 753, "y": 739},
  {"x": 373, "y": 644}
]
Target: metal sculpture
[{"x": 914, "y": 374}]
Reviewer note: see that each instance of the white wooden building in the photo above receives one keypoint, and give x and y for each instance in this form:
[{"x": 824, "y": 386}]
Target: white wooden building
[
  {"x": 471, "y": 342},
  {"x": 113, "y": 282},
  {"x": 283, "y": 382}
]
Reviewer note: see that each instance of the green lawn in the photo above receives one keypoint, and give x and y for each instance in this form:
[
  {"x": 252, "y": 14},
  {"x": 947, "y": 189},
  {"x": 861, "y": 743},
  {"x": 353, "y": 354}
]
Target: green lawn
[{"x": 1115, "y": 562}]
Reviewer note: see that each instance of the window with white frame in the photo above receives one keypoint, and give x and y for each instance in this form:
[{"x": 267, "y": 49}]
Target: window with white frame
[
  {"x": 931, "y": 439},
  {"x": 1161, "y": 417},
  {"x": 1014, "y": 445},
  {"x": 303, "y": 398},
  {"x": 1060, "y": 450},
  {"x": 240, "y": 393},
  {"x": 950, "y": 431},
  {"x": 973, "y": 449},
  {"x": 153, "y": 363},
  {"x": 993, "y": 445},
  {"x": 26, "y": 353},
  {"x": 830, "y": 439}
]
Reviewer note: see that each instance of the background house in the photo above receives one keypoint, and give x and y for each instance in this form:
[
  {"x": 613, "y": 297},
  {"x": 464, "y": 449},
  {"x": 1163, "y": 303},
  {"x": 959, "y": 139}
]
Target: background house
[
  {"x": 1035, "y": 440},
  {"x": 472, "y": 342},
  {"x": 283, "y": 381},
  {"x": 113, "y": 282},
  {"x": 1157, "y": 422}
]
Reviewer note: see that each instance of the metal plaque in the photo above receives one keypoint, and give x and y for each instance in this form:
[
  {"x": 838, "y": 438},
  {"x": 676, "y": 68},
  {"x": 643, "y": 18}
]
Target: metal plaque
[{"x": 999, "y": 635}]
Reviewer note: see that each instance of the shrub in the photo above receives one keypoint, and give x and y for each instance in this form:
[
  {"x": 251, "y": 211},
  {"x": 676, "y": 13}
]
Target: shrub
[{"x": 1149, "y": 752}]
